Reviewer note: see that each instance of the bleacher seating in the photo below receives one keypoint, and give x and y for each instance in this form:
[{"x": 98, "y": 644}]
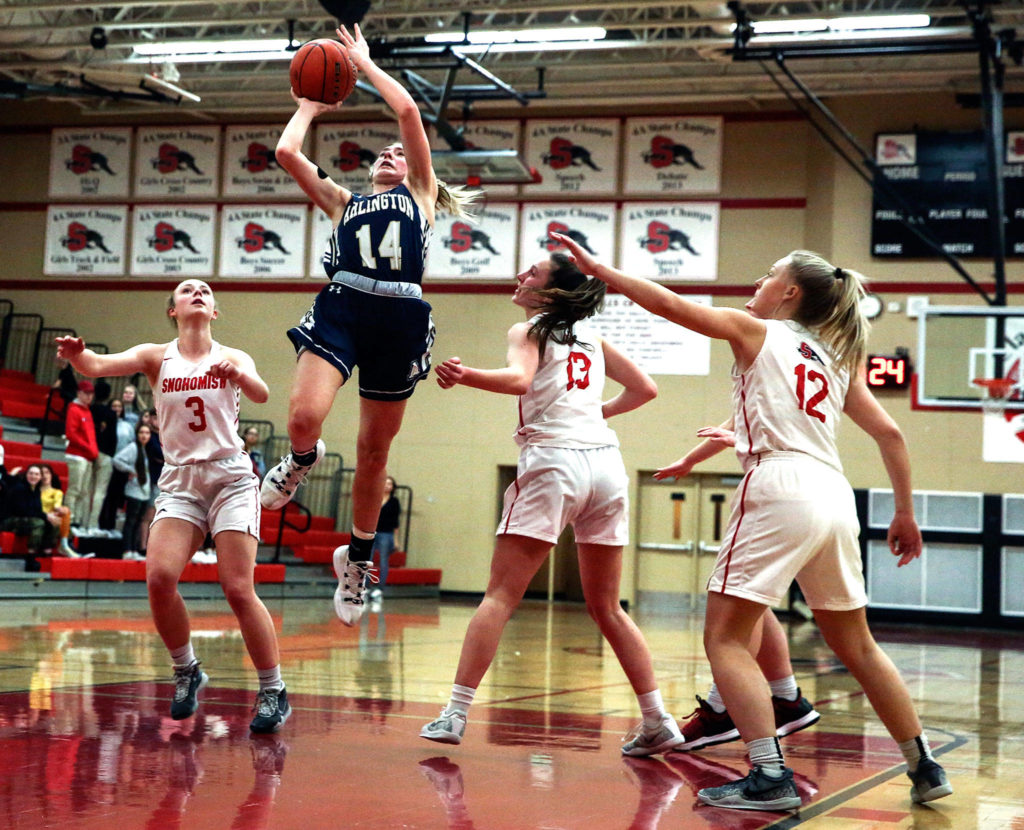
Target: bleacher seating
[{"x": 22, "y": 398}]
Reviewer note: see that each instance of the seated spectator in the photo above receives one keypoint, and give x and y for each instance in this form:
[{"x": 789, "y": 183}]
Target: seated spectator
[
  {"x": 23, "y": 508},
  {"x": 52, "y": 497},
  {"x": 81, "y": 451},
  {"x": 251, "y": 439},
  {"x": 133, "y": 461}
]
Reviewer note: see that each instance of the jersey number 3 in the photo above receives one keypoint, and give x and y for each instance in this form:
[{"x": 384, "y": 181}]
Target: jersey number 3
[
  {"x": 195, "y": 403},
  {"x": 578, "y": 369},
  {"x": 803, "y": 378}
]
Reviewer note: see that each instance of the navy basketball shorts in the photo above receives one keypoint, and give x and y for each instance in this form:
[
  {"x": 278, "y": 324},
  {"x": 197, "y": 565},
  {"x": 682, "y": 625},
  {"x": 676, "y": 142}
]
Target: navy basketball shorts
[{"x": 388, "y": 338}]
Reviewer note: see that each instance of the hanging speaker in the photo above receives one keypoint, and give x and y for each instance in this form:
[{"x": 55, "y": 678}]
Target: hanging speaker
[{"x": 346, "y": 11}]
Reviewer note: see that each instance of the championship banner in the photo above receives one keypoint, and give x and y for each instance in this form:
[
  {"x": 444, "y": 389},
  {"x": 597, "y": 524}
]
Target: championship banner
[
  {"x": 657, "y": 346},
  {"x": 590, "y": 224},
  {"x": 173, "y": 241},
  {"x": 250, "y": 167},
  {"x": 673, "y": 155},
  {"x": 345, "y": 152},
  {"x": 267, "y": 241},
  {"x": 670, "y": 240},
  {"x": 86, "y": 161},
  {"x": 574, "y": 156},
  {"x": 179, "y": 162},
  {"x": 85, "y": 239},
  {"x": 485, "y": 249},
  {"x": 488, "y": 135}
]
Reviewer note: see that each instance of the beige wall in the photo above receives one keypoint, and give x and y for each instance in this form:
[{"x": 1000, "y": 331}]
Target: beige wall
[{"x": 453, "y": 442}]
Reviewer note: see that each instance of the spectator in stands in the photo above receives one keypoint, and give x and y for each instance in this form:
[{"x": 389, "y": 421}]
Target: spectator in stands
[
  {"x": 155, "y": 455},
  {"x": 132, "y": 408},
  {"x": 81, "y": 451},
  {"x": 52, "y": 499},
  {"x": 384, "y": 541},
  {"x": 5, "y": 483},
  {"x": 251, "y": 437},
  {"x": 105, "y": 423},
  {"x": 24, "y": 509},
  {"x": 115, "y": 490},
  {"x": 132, "y": 461}
]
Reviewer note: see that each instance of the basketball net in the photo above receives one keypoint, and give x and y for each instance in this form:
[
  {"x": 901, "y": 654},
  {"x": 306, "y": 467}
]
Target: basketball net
[{"x": 998, "y": 392}]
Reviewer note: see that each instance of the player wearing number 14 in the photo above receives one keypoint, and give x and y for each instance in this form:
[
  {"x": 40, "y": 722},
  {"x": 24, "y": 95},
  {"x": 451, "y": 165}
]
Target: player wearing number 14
[
  {"x": 371, "y": 315},
  {"x": 799, "y": 351}
]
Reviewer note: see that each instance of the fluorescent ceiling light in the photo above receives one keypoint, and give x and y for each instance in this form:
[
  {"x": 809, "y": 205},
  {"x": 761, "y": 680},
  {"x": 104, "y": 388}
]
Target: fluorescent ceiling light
[
  {"x": 874, "y": 23},
  {"x": 210, "y": 47},
  {"x": 573, "y": 33}
]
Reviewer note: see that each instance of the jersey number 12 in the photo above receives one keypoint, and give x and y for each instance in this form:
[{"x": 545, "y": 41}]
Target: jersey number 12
[{"x": 808, "y": 405}]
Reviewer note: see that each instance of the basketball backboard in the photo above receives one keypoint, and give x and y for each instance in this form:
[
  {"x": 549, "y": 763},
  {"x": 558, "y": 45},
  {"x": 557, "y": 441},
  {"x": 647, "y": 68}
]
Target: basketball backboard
[
  {"x": 968, "y": 354},
  {"x": 476, "y": 167}
]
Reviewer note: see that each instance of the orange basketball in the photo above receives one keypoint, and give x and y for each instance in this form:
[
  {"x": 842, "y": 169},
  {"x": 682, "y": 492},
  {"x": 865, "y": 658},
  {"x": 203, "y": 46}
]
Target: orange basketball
[{"x": 321, "y": 70}]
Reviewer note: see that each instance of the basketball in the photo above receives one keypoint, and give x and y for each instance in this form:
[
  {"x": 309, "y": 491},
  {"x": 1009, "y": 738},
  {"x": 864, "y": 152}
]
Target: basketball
[{"x": 321, "y": 70}]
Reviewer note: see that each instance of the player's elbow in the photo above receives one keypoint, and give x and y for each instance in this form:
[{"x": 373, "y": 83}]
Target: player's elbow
[{"x": 648, "y": 390}]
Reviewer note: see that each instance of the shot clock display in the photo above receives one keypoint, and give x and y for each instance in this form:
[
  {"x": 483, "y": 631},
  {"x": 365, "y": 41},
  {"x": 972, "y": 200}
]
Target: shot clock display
[{"x": 888, "y": 371}]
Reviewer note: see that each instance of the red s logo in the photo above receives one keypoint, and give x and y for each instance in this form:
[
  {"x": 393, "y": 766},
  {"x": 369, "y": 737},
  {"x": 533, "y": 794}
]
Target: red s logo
[
  {"x": 555, "y": 227},
  {"x": 348, "y": 156},
  {"x": 461, "y": 238},
  {"x": 661, "y": 154},
  {"x": 560, "y": 156},
  {"x": 163, "y": 236},
  {"x": 253, "y": 239},
  {"x": 76, "y": 239},
  {"x": 657, "y": 239}
]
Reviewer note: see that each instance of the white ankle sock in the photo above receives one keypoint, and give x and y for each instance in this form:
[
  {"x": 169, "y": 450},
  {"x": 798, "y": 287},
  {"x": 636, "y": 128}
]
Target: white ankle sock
[
  {"x": 184, "y": 656},
  {"x": 652, "y": 708},
  {"x": 461, "y": 699},
  {"x": 785, "y": 688}
]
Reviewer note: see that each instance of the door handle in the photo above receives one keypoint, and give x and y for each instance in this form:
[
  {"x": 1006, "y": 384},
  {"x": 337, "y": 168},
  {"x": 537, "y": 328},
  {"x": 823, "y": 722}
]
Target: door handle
[{"x": 684, "y": 548}]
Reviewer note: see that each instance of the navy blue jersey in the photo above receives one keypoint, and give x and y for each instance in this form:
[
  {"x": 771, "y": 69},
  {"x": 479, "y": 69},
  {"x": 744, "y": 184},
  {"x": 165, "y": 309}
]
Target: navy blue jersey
[{"x": 383, "y": 236}]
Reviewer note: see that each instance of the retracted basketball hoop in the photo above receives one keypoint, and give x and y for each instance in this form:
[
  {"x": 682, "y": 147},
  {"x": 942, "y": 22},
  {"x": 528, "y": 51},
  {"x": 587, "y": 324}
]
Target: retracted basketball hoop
[
  {"x": 477, "y": 167},
  {"x": 996, "y": 388}
]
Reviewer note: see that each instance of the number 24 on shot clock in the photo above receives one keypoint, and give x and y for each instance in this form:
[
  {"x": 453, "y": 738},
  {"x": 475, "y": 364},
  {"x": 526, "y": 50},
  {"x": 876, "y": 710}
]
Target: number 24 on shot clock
[{"x": 888, "y": 371}]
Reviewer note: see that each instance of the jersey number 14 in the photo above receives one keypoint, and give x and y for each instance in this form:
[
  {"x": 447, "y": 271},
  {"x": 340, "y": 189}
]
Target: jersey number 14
[{"x": 389, "y": 246}]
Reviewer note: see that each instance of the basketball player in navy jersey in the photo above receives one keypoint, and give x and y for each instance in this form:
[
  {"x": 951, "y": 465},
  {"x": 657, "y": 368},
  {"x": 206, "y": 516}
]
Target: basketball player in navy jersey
[
  {"x": 207, "y": 485},
  {"x": 799, "y": 352},
  {"x": 372, "y": 314}
]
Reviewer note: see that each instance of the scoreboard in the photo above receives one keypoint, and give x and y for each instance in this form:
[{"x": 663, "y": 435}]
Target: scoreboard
[{"x": 942, "y": 180}]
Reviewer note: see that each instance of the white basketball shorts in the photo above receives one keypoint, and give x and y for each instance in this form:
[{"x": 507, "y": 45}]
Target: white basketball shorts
[
  {"x": 556, "y": 487},
  {"x": 223, "y": 494},
  {"x": 792, "y": 518}
]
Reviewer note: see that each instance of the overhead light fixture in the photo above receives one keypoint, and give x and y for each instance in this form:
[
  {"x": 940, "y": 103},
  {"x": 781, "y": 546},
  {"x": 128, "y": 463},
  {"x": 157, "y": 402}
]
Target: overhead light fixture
[
  {"x": 882, "y": 25},
  {"x": 182, "y": 48},
  {"x": 566, "y": 34}
]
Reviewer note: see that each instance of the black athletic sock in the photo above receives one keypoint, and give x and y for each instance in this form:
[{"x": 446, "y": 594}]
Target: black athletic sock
[
  {"x": 360, "y": 550},
  {"x": 305, "y": 459}
]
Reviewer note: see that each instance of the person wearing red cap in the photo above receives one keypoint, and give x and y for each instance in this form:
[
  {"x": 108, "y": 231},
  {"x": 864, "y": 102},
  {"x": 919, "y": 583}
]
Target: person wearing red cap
[{"x": 81, "y": 450}]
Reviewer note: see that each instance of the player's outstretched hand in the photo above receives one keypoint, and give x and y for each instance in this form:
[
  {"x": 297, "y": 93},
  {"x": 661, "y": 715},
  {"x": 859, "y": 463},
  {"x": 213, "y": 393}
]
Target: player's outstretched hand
[
  {"x": 358, "y": 48},
  {"x": 584, "y": 261},
  {"x": 718, "y": 435},
  {"x": 449, "y": 373},
  {"x": 316, "y": 107},
  {"x": 677, "y": 469},
  {"x": 69, "y": 347},
  {"x": 224, "y": 369}
]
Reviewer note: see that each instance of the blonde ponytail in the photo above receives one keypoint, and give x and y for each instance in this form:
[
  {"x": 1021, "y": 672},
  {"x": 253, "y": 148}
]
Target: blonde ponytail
[
  {"x": 456, "y": 200},
  {"x": 831, "y": 305}
]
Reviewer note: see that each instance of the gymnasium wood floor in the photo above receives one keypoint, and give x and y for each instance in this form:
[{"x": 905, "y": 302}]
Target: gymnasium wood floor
[{"x": 87, "y": 743}]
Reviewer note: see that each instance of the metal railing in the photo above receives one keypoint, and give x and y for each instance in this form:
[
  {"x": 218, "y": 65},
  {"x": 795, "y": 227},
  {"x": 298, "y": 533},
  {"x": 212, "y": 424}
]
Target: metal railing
[{"x": 18, "y": 341}]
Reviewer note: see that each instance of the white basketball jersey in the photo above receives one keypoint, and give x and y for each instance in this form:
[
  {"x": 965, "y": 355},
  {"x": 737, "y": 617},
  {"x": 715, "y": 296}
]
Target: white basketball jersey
[
  {"x": 790, "y": 399},
  {"x": 198, "y": 414},
  {"x": 562, "y": 407}
]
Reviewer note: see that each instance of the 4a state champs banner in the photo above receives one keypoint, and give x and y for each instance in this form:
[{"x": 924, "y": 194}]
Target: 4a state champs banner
[
  {"x": 574, "y": 156},
  {"x": 673, "y": 155},
  {"x": 267, "y": 241},
  {"x": 485, "y": 249},
  {"x": 85, "y": 239},
  {"x": 177, "y": 162},
  {"x": 173, "y": 240},
  {"x": 670, "y": 240},
  {"x": 345, "y": 152},
  {"x": 250, "y": 166},
  {"x": 90, "y": 162},
  {"x": 589, "y": 224}
]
